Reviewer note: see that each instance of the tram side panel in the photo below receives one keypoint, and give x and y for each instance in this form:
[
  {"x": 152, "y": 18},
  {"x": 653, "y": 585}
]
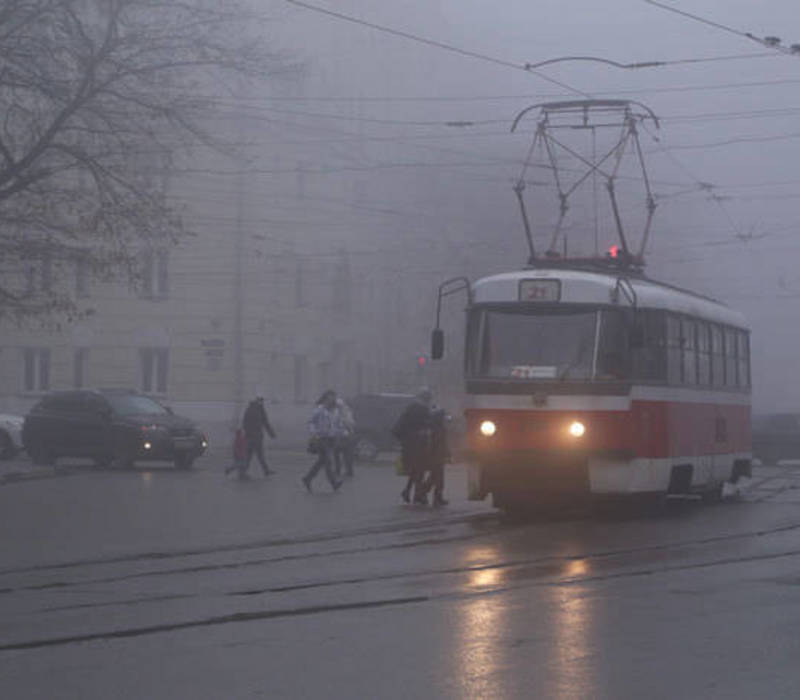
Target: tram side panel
[{"x": 652, "y": 447}]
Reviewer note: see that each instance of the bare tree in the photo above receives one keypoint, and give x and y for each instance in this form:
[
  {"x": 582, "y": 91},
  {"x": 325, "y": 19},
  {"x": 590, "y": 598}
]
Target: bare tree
[{"x": 96, "y": 97}]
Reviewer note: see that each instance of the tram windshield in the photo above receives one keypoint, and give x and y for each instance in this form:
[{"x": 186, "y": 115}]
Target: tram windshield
[{"x": 555, "y": 344}]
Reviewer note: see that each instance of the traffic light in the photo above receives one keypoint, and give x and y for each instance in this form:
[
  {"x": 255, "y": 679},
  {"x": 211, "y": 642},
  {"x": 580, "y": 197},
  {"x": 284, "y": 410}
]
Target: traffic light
[{"x": 422, "y": 361}]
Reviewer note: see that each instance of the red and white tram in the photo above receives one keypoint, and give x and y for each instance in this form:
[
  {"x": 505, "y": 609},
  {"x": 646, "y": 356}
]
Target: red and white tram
[{"x": 582, "y": 378}]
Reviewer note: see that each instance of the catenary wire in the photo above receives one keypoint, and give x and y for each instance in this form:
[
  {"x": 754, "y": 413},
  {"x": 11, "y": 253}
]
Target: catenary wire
[{"x": 436, "y": 44}]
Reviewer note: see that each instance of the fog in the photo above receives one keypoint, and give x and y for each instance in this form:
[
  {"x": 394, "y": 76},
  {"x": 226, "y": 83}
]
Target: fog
[
  {"x": 724, "y": 169},
  {"x": 377, "y": 160},
  {"x": 232, "y": 213}
]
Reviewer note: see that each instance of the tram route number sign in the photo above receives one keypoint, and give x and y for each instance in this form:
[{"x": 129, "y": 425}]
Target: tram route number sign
[
  {"x": 533, "y": 372},
  {"x": 540, "y": 290}
]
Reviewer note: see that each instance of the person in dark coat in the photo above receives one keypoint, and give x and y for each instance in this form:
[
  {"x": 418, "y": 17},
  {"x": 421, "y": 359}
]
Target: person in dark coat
[
  {"x": 438, "y": 456},
  {"x": 254, "y": 423},
  {"x": 413, "y": 430}
]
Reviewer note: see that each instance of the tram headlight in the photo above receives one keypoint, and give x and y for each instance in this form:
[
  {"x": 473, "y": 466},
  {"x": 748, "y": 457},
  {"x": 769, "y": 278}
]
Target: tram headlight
[
  {"x": 577, "y": 429},
  {"x": 488, "y": 428}
]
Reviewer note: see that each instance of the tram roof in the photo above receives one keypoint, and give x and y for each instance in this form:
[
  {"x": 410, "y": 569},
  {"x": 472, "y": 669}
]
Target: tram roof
[{"x": 589, "y": 287}]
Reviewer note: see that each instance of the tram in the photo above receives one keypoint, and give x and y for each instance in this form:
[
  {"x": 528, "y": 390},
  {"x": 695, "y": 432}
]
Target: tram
[{"x": 583, "y": 377}]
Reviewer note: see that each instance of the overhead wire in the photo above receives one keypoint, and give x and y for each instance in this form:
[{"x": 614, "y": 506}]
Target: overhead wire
[
  {"x": 436, "y": 44},
  {"x": 771, "y": 42},
  {"x": 351, "y": 99},
  {"x": 734, "y": 141},
  {"x": 698, "y": 18}
]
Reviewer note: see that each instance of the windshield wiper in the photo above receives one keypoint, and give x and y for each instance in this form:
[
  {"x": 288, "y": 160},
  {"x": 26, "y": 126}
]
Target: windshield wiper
[{"x": 575, "y": 361}]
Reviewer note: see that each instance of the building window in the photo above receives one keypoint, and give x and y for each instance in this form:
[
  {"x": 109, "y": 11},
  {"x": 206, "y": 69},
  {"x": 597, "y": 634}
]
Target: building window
[
  {"x": 81, "y": 278},
  {"x": 342, "y": 288},
  {"x": 36, "y": 374},
  {"x": 79, "y": 360},
  {"x": 299, "y": 284},
  {"x": 154, "y": 267},
  {"x": 155, "y": 365}
]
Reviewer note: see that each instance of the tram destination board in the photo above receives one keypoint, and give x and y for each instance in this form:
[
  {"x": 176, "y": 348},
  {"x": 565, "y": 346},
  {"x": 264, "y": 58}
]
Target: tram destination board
[{"x": 540, "y": 290}]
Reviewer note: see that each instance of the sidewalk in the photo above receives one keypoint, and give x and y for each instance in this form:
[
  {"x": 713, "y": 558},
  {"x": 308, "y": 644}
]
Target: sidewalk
[{"x": 20, "y": 468}]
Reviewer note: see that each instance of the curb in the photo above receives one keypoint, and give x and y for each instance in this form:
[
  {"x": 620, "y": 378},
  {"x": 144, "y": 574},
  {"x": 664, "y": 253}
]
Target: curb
[{"x": 12, "y": 477}]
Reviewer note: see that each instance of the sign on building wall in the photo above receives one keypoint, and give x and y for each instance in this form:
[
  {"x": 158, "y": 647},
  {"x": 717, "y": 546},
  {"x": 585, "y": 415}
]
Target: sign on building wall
[{"x": 214, "y": 351}]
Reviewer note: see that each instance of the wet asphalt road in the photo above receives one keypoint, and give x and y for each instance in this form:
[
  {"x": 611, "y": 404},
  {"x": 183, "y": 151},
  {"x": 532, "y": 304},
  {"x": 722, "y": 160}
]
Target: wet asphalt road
[{"x": 158, "y": 584}]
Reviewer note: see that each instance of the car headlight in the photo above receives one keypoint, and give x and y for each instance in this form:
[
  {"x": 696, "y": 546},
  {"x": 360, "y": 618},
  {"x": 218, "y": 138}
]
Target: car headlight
[
  {"x": 577, "y": 429},
  {"x": 488, "y": 428}
]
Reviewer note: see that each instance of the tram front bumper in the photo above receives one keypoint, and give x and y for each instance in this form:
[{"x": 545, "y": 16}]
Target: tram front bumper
[{"x": 561, "y": 471}]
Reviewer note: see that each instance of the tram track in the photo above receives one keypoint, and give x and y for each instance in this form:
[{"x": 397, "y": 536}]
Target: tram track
[
  {"x": 500, "y": 565},
  {"x": 316, "y": 538},
  {"x": 271, "y": 614},
  {"x": 396, "y": 527}
]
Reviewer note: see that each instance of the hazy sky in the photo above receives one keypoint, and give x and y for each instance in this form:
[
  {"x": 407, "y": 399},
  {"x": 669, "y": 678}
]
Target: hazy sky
[{"x": 730, "y": 123}]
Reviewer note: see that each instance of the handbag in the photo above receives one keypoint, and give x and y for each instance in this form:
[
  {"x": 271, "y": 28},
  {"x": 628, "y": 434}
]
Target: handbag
[{"x": 240, "y": 445}]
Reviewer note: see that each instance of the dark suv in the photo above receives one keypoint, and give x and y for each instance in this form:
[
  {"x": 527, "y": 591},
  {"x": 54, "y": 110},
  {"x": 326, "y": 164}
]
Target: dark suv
[
  {"x": 109, "y": 426},
  {"x": 375, "y": 416}
]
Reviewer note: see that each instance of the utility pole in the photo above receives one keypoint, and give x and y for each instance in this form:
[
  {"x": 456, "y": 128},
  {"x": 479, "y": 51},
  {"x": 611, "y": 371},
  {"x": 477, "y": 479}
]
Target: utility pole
[{"x": 238, "y": 300}]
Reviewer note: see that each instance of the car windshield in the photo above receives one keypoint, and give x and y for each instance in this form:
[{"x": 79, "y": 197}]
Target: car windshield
[
  {"x": 135, "y": 405},
  {"x": 547, "y": 344}
]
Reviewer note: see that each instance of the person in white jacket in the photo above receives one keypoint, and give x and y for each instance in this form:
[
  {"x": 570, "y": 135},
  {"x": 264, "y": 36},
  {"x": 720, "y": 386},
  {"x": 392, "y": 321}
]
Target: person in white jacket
[
  {"x": 322, "y": 429},
  {"x": 344, "y": 426}
]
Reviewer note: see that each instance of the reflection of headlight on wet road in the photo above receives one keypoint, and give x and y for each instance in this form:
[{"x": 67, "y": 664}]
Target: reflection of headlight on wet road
[
  {"x": 577, "y": 429},
  {"x": 488, "y": 428}
]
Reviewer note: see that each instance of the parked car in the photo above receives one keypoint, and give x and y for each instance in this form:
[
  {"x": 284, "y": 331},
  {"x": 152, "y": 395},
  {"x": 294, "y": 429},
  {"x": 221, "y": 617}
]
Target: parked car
[
  {"x": 10, "y": 435},
  {"x": 375, "y": 416},
  {"x": 109, "y": 426},
  {"x": 776, "y": 436}
]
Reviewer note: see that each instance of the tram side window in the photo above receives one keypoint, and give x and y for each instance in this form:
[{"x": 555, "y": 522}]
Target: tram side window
[
  {"x": 674, "y": 350},
  {"x": 744, "y": 359},
  {"x": 703, "y": 354},
  {"x": 650, "y": 359},
  {"x": 614, "y": 356},
  {"x": 472, "y": 346},
  {"x": 731, "y": 363},
  {"x": 689, "y": 344},
  {"x": 717, "y": 356}
]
